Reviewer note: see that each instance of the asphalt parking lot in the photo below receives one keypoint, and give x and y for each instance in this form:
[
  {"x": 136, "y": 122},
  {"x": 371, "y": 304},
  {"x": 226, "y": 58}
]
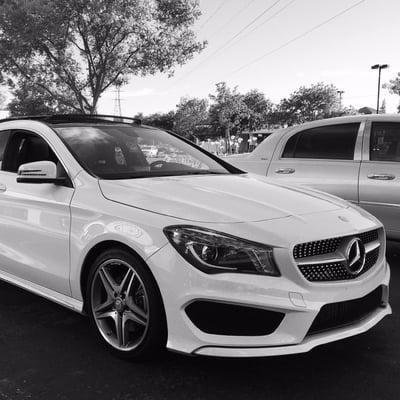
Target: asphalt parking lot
[{"x": 48, "y": 352}]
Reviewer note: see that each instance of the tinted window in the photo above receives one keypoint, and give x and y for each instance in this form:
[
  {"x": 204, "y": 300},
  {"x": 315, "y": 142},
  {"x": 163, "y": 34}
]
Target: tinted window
[
  {"x": 334, "y": 142},
  {"x": 4, "y": 135},
  {"x": 124, "y": 152},
  {"x": 24, "y": 147},
  {"x": 385, "y": 142}
]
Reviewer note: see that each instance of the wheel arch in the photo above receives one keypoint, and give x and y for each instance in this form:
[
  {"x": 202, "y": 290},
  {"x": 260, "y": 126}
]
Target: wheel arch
[{"x": 93, "y": 253}]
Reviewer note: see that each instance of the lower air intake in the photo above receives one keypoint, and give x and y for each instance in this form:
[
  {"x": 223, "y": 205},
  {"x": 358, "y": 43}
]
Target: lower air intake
[
  {"x": 336, "y": 315},
  {"x": 230, "y": 319}
]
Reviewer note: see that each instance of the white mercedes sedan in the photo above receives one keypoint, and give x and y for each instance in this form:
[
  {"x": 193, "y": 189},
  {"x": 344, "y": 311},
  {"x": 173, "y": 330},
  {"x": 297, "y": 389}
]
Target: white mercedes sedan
[{"x": 176, "y": 248}]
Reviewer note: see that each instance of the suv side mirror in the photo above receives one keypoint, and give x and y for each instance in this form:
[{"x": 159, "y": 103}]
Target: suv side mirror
[{"x": 39, "y": 172}]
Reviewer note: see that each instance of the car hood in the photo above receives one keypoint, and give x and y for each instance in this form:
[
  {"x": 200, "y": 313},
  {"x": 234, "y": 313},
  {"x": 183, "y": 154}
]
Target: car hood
[{"x": 218, "y": 198}]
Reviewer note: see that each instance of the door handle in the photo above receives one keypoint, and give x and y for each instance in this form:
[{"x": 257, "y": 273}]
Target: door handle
[
  {"x": 3, "y": 187},
  {"x": 285, "y": 170},
  {"x": 381, "y": 177}
]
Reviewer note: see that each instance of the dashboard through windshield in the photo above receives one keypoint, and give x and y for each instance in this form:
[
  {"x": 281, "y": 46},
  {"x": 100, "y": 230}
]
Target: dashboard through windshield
[{"x": 114, "y": 151}]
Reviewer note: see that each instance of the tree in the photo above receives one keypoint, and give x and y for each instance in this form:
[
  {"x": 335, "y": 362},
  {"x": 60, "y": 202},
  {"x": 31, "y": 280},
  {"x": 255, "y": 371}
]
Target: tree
[
  {"x": 2, "y": 99},
  {"x": 227, "y": 110},
  {"x": 159, "y": 120},
  {"x": 382, "y": 109},
  {"x": 307, "y": 104},
  {"x": 258, "y": 110},
  {"x": 190, "y": 114},
  {"x": 349, "y": 110},
  {"x": 31, "y": 100},
  {"x": 76, "y": 49},
  {"x": 394, "y": 87}
]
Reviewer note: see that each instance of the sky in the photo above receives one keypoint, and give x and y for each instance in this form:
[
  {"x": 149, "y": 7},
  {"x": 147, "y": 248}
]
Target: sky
[{"x": 276, "y": 55}]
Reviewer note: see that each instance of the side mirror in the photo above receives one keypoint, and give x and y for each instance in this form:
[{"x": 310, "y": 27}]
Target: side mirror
[{"x": 39, "y": 172}]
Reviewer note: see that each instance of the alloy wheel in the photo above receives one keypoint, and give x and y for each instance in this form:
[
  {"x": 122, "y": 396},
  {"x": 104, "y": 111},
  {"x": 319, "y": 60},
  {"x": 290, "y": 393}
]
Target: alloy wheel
[{"x": 119, "y": 304}]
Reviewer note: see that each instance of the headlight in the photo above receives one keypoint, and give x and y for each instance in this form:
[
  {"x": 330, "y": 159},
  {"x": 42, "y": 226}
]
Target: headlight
[{"x": 215, "y": 252}]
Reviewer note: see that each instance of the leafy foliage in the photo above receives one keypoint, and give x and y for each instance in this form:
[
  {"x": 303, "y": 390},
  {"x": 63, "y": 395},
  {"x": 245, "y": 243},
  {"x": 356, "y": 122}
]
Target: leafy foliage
[
  {"x": 2, "y": 99},
  {"x": 76, "y": 49},
  {"x": 29, "y": 99},
  {"x": 309, "y": 103},
  {"x": 394, "y": 88},
  {"x": 159, "y": 120},
  {"x": 231, "y": 112},
  {"x": 190, "y": 114},
  {"x": 258, "y": 109},
  {"x": 227, "y": 109}
]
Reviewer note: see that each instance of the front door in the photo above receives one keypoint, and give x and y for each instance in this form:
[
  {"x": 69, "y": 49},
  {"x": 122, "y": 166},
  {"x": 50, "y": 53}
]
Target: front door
[
  {"x": 34, "y": 218},
  {"x": 327, "y": 158},
  {"x": 380, "y": 175}
]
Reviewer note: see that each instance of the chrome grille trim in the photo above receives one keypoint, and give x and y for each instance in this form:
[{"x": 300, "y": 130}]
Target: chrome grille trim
[{"x": 324, "y": 260}]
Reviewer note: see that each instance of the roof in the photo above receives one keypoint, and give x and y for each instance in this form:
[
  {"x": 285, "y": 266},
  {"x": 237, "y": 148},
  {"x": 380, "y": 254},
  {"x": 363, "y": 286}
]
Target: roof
[
  {"x": 348, "y": 119},
  {"x": 76, "y": 118}
]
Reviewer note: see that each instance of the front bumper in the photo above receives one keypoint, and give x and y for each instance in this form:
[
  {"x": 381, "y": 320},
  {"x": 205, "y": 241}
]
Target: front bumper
[
  {"x": 181, "y": 284},
  {"x": 306, "y": 345}
]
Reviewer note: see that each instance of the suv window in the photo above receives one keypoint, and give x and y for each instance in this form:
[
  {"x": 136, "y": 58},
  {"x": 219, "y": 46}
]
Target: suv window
[
  {"x": 4, "y": 135},
  {"x": 385, "y": 141},
  {"x": 334, "y": 142}
]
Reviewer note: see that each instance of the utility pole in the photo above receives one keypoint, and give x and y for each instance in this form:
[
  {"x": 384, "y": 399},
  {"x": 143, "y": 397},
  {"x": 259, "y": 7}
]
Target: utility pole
[
  {"x": 117, "y": 102},
  {"x": 379, "y": 67},
  {"x": 340, "y": 92}
]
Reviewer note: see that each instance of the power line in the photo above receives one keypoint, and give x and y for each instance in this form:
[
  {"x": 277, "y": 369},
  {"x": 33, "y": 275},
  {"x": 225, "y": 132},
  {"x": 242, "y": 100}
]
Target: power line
[
  {"x": 230, "y": 40},
  {"x": 246, "y": 6},
  {"x": 267, "y": 20},
  {"x": 297, "y": 37},
  {"x": 212, "y": 15},
  {"x": 247, "y": 26}
]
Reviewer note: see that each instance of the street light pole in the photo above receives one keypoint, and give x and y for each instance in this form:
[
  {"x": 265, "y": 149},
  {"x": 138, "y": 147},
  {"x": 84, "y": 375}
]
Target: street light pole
[{"x": 379, "y": 67}]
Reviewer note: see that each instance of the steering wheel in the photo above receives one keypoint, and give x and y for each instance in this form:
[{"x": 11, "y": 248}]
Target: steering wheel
[{"x": 157, "y": 164}]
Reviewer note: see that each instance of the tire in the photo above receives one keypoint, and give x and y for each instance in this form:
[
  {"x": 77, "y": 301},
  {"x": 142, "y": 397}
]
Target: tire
[{"x": 125, "y": 306}]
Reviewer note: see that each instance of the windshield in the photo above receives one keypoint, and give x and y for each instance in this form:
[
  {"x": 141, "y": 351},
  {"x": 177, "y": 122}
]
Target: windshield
[{"x": 123, "y": 152}]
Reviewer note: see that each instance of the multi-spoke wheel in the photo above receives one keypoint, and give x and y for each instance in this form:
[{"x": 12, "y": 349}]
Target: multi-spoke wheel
[{"x": 125, "y": 304}]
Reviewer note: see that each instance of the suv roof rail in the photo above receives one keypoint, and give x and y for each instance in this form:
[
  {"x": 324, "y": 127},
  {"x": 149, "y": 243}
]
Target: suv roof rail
[{"x": 65, "y": 118}]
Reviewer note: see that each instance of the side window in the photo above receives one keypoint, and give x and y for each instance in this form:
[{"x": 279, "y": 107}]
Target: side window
[
  {"x": 4, "y": 135},
  {"x": 385, "y": 142},
  {"x": 25, "y": 147},
  {"x": 334, "y": 142}
]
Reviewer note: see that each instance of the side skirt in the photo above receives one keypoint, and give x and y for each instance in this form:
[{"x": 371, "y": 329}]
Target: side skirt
[{"x": 56, "y": 297}]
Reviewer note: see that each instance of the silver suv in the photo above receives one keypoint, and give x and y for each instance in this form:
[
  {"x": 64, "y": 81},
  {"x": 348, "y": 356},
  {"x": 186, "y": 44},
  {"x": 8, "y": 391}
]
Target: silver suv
[{"x": 356, "y": 158}]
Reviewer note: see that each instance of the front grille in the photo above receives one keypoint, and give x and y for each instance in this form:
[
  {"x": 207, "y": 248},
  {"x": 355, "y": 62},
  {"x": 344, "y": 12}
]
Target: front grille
[
  {"x": 329, "y": 245},
  {"x": 335, "y": 315},
  {"x": 316, "y": 248},
  {"x": 336, "y": 271},
  {"x": 332, "y": 270}
]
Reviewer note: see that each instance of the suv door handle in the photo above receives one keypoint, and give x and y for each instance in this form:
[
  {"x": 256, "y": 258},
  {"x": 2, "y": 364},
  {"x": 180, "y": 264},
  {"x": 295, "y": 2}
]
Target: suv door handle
[
  {"x": 3, "y": 187},
  {"x": 285, "y": 170},
  {"x": 381, "y": 177}
]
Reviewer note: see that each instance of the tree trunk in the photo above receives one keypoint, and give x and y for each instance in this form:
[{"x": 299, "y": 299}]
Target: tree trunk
[{"x": 228, "y": 140}]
